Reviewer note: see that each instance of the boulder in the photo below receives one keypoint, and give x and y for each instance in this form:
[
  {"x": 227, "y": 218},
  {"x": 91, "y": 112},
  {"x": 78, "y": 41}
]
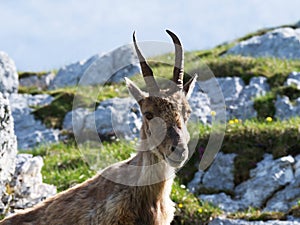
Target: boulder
[
  {"x": 217, "y": 178},
  {"x": 39, "y": 82},
  {"x": 231, "y": 88},
  {"x": 29, "y": 131},
  {"x": 99, "y": 69},
  {"x": 273, "y": 184},
  {"x": 193, "y": 185},
  {"x": 8, "y": 75},
  {"x": 8, "y": 148},
  {"x": 239, "y": 97},
  {"x": 201, "y": 107},
  {"x": 206, "y": 98},
  {"x": 281, "y": 43},
  {"x": 220, "y": 176},
  {"x": 293, "y": 80},
  {"x": 268, "y": 177},
  {"x": 286, "y": 109},
  {"x": 113, "y": 118},
  {"x": 224, "y": 202},
  {"x": 74, "y": 120},
  {"x": 258, "y": 86},
  {"x": 283, "y": 200},
  {"x": 297, "y": 167},
  {"x": 27, "y": 185}
]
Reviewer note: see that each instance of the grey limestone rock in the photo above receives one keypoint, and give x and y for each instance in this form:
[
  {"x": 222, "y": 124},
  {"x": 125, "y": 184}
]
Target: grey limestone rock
[
  {"x": 293, "y": 80},
  {"x": 9, "y": 82},
  {"x": 99, "y": 69},
  {"x": 239, "y": 97},
  {"x": 219, "y": 176},
  {"x": 280, "y": 43},
  {"x": 27, "y": 183},
  {"x": 113, "y": 118},
  {"x": 268, "y": 177},
  {"x": 29, "y": 131},
  {"x": 223, "y": 201},
  {"x": 41, "y": 83},
  {"x": 8, "y": 148},
  {"x": 286, "y": 109}
]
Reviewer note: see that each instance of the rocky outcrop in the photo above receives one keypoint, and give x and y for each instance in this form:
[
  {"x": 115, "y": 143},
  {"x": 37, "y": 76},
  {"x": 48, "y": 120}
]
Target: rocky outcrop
[
  {"x": 219, "y": 176},
  {"x": 29, "y": 131},
  {"x": 280, "y": 43},
  {"x": 239, "y": 97},
  {"x": 21, "y": 183},
  {"x": 273, "y": 185},
  {"x": 285, "y": 108},
  {"x": 99, "y": 69},
  {"x": 8, "y": 149},
  {"x": 27, "y": 187},
  {"x": 8, "y": 75},
  {"x": 266, "y": 179},
  {"x": 293, "y": 80},
  {"x": 201, "y": 106},
  {"x": 113, "y": 118},
  {"x": 34, "y": 81}
]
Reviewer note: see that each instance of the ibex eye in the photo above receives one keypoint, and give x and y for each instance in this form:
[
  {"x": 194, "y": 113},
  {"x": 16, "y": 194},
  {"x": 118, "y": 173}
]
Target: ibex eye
[{"x": 148, "y": 115}]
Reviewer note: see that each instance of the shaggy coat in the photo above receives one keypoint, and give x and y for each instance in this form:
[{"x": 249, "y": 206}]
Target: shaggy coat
[{"x": 135, "y": 191}]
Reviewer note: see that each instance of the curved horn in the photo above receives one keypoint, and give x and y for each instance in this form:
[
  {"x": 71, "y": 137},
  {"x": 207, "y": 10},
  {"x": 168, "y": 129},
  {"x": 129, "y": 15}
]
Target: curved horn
[
  {"x": 179, "y": 60},
  {"x": 146, "y": 70}
]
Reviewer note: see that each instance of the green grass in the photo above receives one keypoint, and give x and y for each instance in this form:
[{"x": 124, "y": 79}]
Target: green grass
[
  {"x": 29, "y": 74},
  {"x": 250, "y": 140},
  {"x": 295, "y": 210},
  {"x": 52, "y": 115},
  {"x": 252, "y": 214},
  {"x": 204, "y": 63},
  {"x": 65, "y": 165}
]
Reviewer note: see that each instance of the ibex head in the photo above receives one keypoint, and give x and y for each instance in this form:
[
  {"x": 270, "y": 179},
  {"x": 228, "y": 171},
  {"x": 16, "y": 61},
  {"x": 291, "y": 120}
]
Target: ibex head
[{"x": 165, "y": 112}]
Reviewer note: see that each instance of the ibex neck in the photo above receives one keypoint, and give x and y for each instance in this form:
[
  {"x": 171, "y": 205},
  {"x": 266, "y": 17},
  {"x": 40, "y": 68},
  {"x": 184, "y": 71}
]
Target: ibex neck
[{"x": 151, "y": 169}]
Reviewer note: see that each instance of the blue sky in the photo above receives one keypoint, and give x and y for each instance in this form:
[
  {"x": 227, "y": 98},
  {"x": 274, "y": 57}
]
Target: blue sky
[{"x": 47, "y": 34}]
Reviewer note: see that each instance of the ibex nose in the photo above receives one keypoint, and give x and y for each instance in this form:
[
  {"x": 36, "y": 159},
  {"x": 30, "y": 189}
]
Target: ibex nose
[
  {"x": 174, "y": 135},
  {"x": 173, "y": 148}
]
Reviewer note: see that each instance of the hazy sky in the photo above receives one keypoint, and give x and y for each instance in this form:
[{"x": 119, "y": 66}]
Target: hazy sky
[{"x": 46, "y": 34}]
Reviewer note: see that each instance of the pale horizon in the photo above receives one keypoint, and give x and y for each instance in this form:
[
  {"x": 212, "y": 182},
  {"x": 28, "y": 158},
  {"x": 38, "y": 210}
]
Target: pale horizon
[{"x": 47, "y": 34}]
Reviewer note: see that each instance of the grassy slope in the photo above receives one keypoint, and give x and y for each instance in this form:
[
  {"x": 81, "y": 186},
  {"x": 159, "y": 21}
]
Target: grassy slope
[{"x": 65, "y": 167}]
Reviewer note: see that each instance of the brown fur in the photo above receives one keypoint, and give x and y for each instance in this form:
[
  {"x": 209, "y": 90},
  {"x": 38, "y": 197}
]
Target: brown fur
[{"x": 132, "y": 192}]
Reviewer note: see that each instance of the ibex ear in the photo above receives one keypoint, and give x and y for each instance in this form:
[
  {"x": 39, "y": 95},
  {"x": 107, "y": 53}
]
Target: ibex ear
[
  {"x": 189, "y": 86},
  {"x": 137, "y": 93}
]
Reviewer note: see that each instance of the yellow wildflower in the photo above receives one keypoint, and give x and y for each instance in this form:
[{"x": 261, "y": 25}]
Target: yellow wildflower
[
  {"x": 180, "y": 205},
  {"x": 213, "y": 113},
  {"x": 269, "y": 119},
  {"x": 231, "y": 121},
  {"x": 200, "y": 210}
]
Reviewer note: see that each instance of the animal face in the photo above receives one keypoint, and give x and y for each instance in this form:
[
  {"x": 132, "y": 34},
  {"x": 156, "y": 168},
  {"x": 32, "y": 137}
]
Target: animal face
[
  {"x": 165, "y": 112},
  {"x": 164, "y": 127}
]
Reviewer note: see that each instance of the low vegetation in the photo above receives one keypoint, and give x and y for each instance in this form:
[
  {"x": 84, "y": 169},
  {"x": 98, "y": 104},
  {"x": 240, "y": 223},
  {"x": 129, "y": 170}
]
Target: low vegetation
[
  {"x": 250, "y": 140},
  {"x": 66, "y": 166}
]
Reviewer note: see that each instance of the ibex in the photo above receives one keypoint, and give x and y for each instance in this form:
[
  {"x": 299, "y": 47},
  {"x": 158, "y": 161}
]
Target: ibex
[{"x": 135, "y": 191}]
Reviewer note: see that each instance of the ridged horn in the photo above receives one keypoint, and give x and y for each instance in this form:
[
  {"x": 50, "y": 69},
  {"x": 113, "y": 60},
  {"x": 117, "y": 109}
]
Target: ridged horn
[
  {"x": 179, "y": 61},
  {"x": 146, "y": 70}
]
